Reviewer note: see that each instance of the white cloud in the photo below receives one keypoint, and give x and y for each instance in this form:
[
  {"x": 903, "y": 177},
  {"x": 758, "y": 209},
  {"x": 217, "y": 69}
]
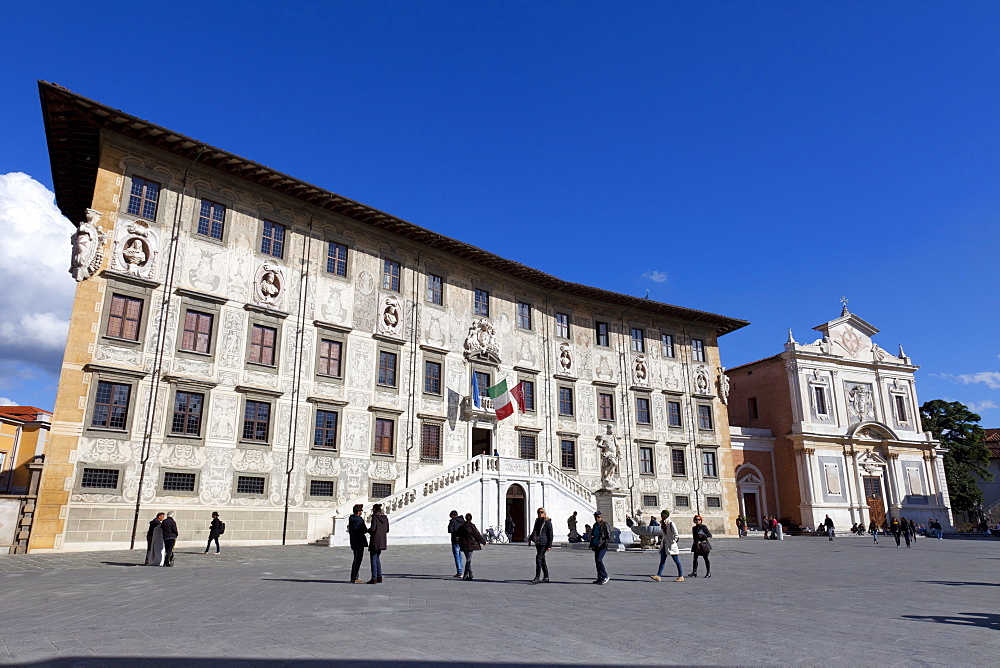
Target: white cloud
[
  {"x": 4, "y": 401},
  {"x": 990, "y": 379},
  {"x": 980, "y": 406},
  {"x": 37, "y": 290},
  {"x": 656, "y": 276}
]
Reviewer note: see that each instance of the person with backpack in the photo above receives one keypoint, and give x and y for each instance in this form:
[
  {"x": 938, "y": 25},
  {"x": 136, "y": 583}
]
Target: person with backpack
[
  {"x": 216, "y": 529},
  {"x": 541, "y": 536}
]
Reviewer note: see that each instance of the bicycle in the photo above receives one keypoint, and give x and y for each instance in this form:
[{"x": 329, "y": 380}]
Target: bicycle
[{"x": 495, "y": 535}]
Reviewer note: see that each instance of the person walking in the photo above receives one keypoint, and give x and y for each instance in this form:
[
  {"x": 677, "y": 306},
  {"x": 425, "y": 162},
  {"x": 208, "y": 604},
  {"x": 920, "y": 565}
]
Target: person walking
[
  {"x": 379, "y": 529},
  {"x": 508, "y": 528},
  {"x": 169, "y": 527},
  {"x": 600, "y": 536},
  {"x": 873, "y": 530},
  {"x": 215, "y": 529},
  {"x": 700, "y": 547},
  {"x": 154, "y": 541},
  {"x": 895, "y": 529},
  {"x": 358, "y": 533},
  {"x": 913, "y": 531},
  {"x": 828, "y": 523},
  {"x": 541, "y": 536},
  {"x": 740, "y": 525},
  {"x": 669, "y": 546},
  {"x": 455, "y": 521},
  {"x": 470, "y": 540},
  {"x": 904, "y": 528}
]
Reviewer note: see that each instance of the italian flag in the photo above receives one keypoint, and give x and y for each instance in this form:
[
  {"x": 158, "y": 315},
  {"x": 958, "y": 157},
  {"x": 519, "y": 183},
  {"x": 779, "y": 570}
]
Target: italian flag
[{"x": 501, "y": 397}]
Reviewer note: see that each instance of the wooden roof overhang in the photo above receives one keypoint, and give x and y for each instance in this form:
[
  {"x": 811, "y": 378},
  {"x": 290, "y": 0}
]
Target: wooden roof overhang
[{"x": 73, "y": 124}]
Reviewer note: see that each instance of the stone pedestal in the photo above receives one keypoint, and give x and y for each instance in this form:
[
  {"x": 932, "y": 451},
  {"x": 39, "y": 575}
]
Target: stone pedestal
[{"x": 611, "y": 504}]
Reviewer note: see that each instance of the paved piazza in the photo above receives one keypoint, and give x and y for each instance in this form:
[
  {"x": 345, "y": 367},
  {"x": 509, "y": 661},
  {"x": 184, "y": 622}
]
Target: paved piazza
[{"x": 800, "y": 601}]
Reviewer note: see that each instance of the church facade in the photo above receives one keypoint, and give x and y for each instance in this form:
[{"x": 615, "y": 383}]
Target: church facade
[
  {"x": 833, "y": 428},
  {"x": 247, "y": 343}
]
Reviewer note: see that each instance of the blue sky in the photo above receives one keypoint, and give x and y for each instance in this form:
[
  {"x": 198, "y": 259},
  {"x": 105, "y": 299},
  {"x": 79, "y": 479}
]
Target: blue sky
[{"x": 758, "y": 160}]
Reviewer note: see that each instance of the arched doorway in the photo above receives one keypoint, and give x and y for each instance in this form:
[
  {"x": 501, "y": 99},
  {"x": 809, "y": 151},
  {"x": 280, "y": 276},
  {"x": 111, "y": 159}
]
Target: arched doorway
[
  {"x": 753, "y": 503},
  {"x": 517, "y": 511}
]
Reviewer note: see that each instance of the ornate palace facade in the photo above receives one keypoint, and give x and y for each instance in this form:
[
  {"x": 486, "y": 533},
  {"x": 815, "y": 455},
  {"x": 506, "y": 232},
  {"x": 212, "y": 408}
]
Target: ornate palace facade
[{"x": 242, "y": 341}]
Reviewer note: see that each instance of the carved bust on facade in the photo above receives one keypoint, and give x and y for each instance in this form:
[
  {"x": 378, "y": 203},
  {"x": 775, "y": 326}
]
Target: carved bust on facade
[
  {"x": 481, "y": 341},
  {"x": 88, "y": 247},
  {"x": 269, "y": 285},
  {"x": 565, "y": 358},
  {"x": 390, "y": 317},
  {"x": 702, "y": 380},
  {"x": 135, "y": 249},
  {"x": 640, "y": 370}
]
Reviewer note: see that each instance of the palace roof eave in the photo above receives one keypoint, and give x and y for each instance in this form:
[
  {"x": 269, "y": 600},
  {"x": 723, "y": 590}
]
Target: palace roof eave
[{"x": 73, "y": 124}]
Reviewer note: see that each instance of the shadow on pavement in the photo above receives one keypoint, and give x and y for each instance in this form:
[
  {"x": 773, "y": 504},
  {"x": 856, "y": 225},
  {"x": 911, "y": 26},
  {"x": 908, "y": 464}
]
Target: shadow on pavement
[
  {"x": 952, "y": 583},
  {"x": 121, "y": 563},
  {"x": 164, "y": 662},
  {"x": 984, "y": 619}
]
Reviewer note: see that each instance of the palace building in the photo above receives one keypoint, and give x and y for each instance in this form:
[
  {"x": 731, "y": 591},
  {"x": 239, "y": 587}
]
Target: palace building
[
  {"x": 244, "y": 342},
  {"x": 833, "y": 428}
]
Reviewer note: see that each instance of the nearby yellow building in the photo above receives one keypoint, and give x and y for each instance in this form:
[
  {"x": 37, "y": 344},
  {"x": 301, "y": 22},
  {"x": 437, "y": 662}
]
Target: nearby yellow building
[
  {"x": 245, "y": 342},
  {"x": 24, "y": 431}
]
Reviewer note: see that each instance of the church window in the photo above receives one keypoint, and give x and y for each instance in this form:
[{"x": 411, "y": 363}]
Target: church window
[
  {"x": 272, "y": 240},
  {"x": 708, "y": 464},
  {"x": 212, "y": 219},
  {"x": 646, "y": 460},
  {"x": 667, "y": 344},
  {"x": 390, "y": 275},
  {"x": 900, "y": 402},
  {"x": 698, "y": 350},
  {"x": 336, "y": 259},
  {"x": 435, "y": 289},
  {"x": 430, "y": 442},
  {"x": 143, "y": 198},
  {"x": 562, "y": 325},
  {"x": 125, "y": 317},
  {"x": 674, "y": 413},
  {"x": 638, "y": 340},
  {"x": 482, "y": 303},
  {"x": 605, "y": 407},
  {"x": 567, "y": 453},
  {"x": 602, "y": 334},
  {"x": 820, "y": 397}
]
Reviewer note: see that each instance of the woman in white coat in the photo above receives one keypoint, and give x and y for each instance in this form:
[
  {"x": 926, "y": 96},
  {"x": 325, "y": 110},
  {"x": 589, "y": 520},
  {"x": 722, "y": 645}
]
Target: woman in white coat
[{"x": 669, "y": 546}]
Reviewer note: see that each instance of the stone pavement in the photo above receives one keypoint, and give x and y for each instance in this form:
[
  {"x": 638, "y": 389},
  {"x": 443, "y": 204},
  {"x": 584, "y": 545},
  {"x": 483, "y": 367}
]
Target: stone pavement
[{"x": 804, "y": 600}]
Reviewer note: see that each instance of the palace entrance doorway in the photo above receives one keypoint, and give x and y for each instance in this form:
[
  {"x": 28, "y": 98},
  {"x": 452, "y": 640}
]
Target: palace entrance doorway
[
  {"x": 751, "y": 511},
  {"x": 482, "y": 442},
  {"x": 873, "y": 494},
  {"x": 517, "y": 511}
]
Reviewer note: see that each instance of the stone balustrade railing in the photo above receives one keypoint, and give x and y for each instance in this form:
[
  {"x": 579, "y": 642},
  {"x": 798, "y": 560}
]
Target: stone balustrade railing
[
  {"x": 569, "y": 482},
  {"x": 442, "y": 480}
]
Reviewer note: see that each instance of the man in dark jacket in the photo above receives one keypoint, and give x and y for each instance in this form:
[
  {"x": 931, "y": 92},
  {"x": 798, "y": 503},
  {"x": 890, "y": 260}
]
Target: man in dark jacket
[
  {"x": 379, "y": 529},
  {"x": 600, "y": 536},
  {"x": 215, "y": 530},
  {"x": 470, "y": 540},
  {"x": 456, "y": 550},
  {"x": 828, "y": 523},
  {"x": 169, "y": 527},
  {"x": 153, "y": 523},
  {"x": 358, "y": 532}
]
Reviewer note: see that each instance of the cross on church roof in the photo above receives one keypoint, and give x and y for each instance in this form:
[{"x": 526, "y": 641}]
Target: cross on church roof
[{"x": 844, "y": 300}]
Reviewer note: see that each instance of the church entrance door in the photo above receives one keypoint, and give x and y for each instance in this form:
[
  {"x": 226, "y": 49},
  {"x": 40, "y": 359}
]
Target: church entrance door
[
  {"x": 873, "y": 494},
  {"x": 750, "y": 509},
  {"x": 516, "y": 510}
]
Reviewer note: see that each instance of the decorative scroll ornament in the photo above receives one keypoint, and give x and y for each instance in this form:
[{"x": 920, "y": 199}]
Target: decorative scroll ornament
[
  {"x": 481, "y": 341},
  {"x": 702, "y": 380},
  {"x": 390, "y": 317},
  {"x": 723, "y": 385},
  {"x": 88, "y": 247},
  {"x": 135, "y": 250},
  {"x": 640, "y": 370},
  {"x": 565, "y": 358},
  {"x": 269, "y": 285}
]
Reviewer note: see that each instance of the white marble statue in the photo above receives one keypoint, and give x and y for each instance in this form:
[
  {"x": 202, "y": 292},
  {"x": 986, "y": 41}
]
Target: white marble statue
[{"x": 608, "y": 444}]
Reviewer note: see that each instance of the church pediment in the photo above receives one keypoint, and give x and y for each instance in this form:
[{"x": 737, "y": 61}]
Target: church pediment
[
  {"x": 871, "y": 431},
  {"x": 750, "y": 479}
]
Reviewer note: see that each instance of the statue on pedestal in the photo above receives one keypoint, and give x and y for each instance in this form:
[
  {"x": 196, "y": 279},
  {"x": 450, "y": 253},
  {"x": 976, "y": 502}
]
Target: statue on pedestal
[{"x": 608, "y": 444}]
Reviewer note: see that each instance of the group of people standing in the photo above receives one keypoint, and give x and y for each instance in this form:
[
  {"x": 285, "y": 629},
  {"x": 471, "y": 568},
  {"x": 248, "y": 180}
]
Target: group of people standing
[
  {"x": 162, "y": 535},
  {"x": 371, "y": 537}
]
